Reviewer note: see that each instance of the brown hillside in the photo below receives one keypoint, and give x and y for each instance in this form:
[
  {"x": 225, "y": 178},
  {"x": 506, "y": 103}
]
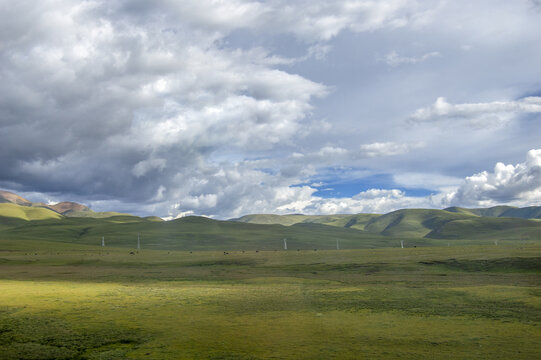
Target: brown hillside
[
  {"x": 9, "y": 197},
  {"x": 67, "y": 206}
]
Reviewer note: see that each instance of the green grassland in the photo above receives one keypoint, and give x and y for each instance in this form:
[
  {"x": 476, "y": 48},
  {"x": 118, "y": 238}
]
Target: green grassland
[
  {"x": 66, "y": 301},
  {"x": 465, "y": 286}
]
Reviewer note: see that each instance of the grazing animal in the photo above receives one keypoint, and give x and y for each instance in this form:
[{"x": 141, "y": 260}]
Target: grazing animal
[{"x": 132, "y": 253}]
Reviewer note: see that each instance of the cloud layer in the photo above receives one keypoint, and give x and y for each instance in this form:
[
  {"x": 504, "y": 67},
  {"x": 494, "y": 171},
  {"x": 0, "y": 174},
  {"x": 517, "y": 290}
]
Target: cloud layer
[
  {"x": 518, "y": 184},
  {"x": 226, "y": 108},
  {"x": 479, "y": 114}
]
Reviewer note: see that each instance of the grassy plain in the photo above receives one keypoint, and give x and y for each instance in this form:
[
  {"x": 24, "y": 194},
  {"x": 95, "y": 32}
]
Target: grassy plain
[{"x": 74, "y": 301}]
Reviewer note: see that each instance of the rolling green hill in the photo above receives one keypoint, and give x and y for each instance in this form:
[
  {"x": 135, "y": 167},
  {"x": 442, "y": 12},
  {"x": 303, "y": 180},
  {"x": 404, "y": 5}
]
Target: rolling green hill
[
  {"x": 94, "y": 214},
  {"x": 501, "y": 222},
  {"x": 27, "y": 213},
  {"x": 357, "y": 221},
  {"x": 266, "y": 219},
  {"x": 81, "y": 226},
  {"x": 489, "y": 228},
  {"x": 412, "y": 223},
  {"x": 531, "y": 212},
  {"x": 191, "y": 233}
]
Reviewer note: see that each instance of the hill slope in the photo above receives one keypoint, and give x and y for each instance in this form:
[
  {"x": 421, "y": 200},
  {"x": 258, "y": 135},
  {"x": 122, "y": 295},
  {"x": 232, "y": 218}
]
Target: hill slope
[
  {"x": 412, "y": 223},
  {"x": 9, "y": 197},
  {"x": 27, "y": 213},
  {"x": 453, "y": 223},
  {"x": 531, "y": 212},
  {"x": 357, "y": 221},
  {"x": 66, "y": 208},
  {"x": 80, "y": 225},
  {"x": 191, "y": 233}
]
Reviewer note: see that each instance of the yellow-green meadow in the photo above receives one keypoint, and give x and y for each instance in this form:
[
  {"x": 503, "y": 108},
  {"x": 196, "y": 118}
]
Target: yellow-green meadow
[{"x": 463, "y": 302}]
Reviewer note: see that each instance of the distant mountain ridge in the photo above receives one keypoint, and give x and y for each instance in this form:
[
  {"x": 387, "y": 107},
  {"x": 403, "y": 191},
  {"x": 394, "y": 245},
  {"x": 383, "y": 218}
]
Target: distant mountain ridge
[
  {"x": 9, "y": 197},
  {"x": 347, "y": 220},
  {"x": 530, "y": 212},
  {"x": 68, "y": 206},
  {"x": 484, "y": 224},
  {"x": 62, "y": 207},
  {"x": 65, "y": 208},
  {"x": 450, "y": 223},
  {"x": 21, "y": 219}
]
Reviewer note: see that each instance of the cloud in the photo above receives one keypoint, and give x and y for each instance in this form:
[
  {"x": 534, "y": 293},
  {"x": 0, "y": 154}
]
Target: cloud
[
  {"x": 330, "y": 151},
  {"x": 315, "y": 21},
  {"x": 393, "y": 59},
  {"x": 98, "y": 95},
  {"x": 369, "y": 201},
  {"x": 310, "y": 21},
  {"x": 434, "y": 181},
  {"x": 518, "y": 184},
  {"x": 390, "y": 148},
  {"x": 223, "y": 107},
  {"x": 144, "y": 166},
  {"x": 478, "y": 114}
]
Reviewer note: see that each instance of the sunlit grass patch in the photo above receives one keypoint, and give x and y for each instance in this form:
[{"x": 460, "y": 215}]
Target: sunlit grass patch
[{"x": 160, "y": 305}]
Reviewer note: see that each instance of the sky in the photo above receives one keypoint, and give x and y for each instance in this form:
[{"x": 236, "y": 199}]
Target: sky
[{"x": 226, "y": 108}]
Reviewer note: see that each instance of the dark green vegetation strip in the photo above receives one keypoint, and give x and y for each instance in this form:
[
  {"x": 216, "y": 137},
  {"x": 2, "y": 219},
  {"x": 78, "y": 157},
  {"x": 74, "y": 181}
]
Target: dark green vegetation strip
[
  {"x": 46, "y": 337},
  {"x": 532, "y": 264}
]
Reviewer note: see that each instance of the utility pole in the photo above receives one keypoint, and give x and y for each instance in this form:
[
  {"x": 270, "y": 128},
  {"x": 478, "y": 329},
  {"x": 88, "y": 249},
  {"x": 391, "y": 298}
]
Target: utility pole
[
  {"x": 285, "y": 244},
  {"x": 138, "y": 242},
  {"x": 103, "y": 241},
  {"x": 402, "y": 244}
]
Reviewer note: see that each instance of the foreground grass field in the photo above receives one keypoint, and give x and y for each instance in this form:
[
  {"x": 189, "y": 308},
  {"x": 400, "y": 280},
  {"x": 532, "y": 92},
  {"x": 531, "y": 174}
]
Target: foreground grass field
[{"x": 65, "y": 301}]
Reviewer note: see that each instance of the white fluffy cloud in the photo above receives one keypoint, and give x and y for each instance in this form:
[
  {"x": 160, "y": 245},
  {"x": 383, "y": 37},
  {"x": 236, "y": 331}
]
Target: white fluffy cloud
[
  {"x": 393, "y": 59},
  {"x": 387, "y": 148},
  {"x": 478, "y": 114},
  {"x": 369, "y": 201},
  {"x": 518, "y": 184},
  {"x": 98, "y": 94}
]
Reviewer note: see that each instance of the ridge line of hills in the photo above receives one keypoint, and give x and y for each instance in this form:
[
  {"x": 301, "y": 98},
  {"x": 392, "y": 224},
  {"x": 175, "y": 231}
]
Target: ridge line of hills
[
  {"x": 21, "y": 219},
  {"x": 64, "y": 208},
  {"x": 73, "y": 209}
]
